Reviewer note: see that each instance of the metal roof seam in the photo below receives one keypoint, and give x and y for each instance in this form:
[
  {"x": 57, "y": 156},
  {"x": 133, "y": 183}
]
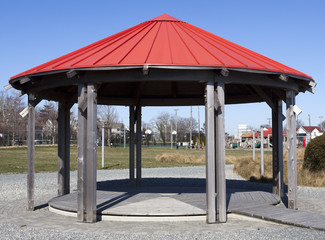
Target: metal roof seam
[
  {"x": 93, "y": 45},
  {"x": 214, "y": 56},
  {"x": 251, "y": 53},
  {"x": 109, "y": 41},
  {"x": 153, "y": 42},
  {"x": 169, "y": 45},
  {"x": 98, "y": 60},
  {"x": 185, "y": 43},
  {"x": 214, "y": 46},
  {"x": 254, "y": 54},
  {"x": 154, "y": 24}
]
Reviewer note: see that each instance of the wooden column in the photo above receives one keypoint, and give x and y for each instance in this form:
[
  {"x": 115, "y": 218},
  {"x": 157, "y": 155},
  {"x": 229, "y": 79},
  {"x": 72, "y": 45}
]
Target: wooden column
[
  {"x": 91, "y": 161},
  {"x": 82, "y": 150},
  {"x": 139, "y": 141},
  {"x": 277, "y": 149},
  {"x": 31, "y": 153},
  {"x": 220, "y": 154},
  {"x": 210, "y": 153},
  {"x": 292, "y": 151},
  {"x": 131, "y": 147},
  {"x": 63, "y": 148}
]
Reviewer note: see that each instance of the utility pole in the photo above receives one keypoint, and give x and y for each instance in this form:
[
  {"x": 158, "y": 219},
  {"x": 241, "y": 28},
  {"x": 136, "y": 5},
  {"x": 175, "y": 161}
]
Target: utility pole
[
  {"x": 269, "y": 121},
  {"x": 309, "y": 119},
  {"x": 176, "y": 110},
  {"x": 321, "y": 122},
  {"x": 191, "y": 130}
]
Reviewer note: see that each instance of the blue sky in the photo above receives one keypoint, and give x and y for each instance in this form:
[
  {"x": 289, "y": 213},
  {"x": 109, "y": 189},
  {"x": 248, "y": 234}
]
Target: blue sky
[{"x": 291, "y": 32}]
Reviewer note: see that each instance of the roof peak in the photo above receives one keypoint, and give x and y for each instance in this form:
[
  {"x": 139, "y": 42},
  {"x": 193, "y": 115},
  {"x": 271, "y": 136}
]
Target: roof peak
[{"x": 165, "y": 17}]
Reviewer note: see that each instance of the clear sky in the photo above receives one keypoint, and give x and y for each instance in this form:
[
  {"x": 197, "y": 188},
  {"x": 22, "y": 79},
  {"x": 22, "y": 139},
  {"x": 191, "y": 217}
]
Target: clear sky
[{"x": 289, "y": 31}]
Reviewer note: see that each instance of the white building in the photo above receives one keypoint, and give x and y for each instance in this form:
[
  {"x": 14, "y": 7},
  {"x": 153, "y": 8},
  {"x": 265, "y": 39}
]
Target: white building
[{"x": 307, "y": 133}]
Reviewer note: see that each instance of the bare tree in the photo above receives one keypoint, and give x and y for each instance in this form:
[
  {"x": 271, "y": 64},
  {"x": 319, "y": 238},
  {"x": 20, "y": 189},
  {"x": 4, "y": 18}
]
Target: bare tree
[
  {"x": 108, "y": 116},
  {"x": 183, "y": 128},
  {"x": 12, "y": 125},
  {"x": 47, "y": 118},
  {"x": 162, "y": 124}
]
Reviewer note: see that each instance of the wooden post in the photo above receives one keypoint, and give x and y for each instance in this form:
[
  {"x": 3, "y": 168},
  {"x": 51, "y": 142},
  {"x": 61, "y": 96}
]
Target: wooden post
[
  {"x": 131, "y": 147},
  {"x": 31, "y": 153},
  {"x": 221, "y": 155},
  {"x": 139, "y": 141},
  {"x": 292, "y": 151},
  {"x": 63, "y": 149},
  {"x": 91, "y": 161},
  {"x": 210, "y": 153},
  {"x": 82, "y": 150},
  {"x": 277, "y": 149}
]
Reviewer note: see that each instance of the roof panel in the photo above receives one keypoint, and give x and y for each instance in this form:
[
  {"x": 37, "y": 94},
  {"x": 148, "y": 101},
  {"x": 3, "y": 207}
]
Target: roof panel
[
  {"x": 164, "y": 40},
  {"x": 160, "y": 51}
]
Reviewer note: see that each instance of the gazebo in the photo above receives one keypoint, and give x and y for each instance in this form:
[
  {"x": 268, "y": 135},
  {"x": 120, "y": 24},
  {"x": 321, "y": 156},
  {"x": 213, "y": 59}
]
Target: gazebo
[{"x": 161, "y": 62}]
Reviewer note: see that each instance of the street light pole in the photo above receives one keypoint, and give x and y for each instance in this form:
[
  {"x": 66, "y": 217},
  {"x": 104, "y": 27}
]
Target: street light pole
[
  {"x": 176, "y": 110},
  {"x": 321, "y": 122}
]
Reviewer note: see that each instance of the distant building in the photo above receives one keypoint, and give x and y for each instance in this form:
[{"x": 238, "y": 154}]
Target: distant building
[
  {"x": 242, "y": 128},
  {"x": 247, "y": 138},
  {"x": 306, "y": 133}
]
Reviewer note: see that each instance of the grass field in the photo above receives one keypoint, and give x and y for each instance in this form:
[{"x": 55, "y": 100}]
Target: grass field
[{"x": 14, "y": 159}]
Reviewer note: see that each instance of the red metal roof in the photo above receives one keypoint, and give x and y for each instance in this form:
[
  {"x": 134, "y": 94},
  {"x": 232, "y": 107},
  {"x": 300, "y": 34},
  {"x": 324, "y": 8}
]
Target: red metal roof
[
  {"x": 309, "y": 129},
  {"x": 164, "y": 41},
  {"x": 266, "y": 133}
]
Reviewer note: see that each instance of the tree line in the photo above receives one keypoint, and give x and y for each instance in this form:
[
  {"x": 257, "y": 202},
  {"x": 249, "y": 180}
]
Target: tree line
[{"x": 13, "y": 127}]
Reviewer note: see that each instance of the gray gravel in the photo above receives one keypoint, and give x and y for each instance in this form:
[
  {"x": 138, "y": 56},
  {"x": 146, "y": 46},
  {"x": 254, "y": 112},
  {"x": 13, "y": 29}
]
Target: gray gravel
[{"x": 17, "y": 223}]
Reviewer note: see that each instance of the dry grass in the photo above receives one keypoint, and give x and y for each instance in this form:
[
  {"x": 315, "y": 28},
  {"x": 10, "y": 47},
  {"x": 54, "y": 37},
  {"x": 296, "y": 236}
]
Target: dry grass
[
  {"x": 180, "y": 158},
  {"x": 250, "y": 170}
]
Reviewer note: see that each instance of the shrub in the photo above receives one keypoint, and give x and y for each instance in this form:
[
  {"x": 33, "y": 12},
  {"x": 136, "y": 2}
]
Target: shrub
[{"x": 314, "y": 159}]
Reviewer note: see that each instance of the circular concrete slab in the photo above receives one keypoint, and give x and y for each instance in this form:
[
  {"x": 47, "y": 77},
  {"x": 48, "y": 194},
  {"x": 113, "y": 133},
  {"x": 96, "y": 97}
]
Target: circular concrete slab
[{"x": 158, "y": 199}]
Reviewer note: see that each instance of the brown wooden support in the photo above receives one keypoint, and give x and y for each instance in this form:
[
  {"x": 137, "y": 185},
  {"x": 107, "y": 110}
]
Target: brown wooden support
[
  {"x": 31, "y": 153},
  {"x": 221, "y": 155},
  {"x": 63, "y": 148},
  {"x": 277, "y": 149},
  {"x": 131, "y": 147},
  {"x": 210, "y": 153},
  {"x": 292, "y": 151},
  {"x": 139, "y": 143},
  {"x": 82, "y": 150},
  {"x": 91, "y": 161}
]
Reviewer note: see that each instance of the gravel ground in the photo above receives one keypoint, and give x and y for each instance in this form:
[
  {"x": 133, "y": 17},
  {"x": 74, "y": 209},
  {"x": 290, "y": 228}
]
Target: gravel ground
[{"x": 17, "y": 223}]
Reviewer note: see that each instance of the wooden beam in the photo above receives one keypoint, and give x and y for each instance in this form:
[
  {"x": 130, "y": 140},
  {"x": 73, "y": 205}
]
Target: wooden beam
[
  {"x": 277, "y": 148},
  {"x": 221, "y": 155},
  {"x": 82, "y": 151},
  {"x": 139, "y": 143},
  {"x": 31, "y": 153},
  {"x": 91, "y": 161},
  {"x": 150, "y": 101},
  {"x": 292, "y": 151},
  {"x": 131, "y": 147},
  {"x": 63, "y": 149},
  {"x": 264, "y": 96},
  {"x": 210, "y": 153}
]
